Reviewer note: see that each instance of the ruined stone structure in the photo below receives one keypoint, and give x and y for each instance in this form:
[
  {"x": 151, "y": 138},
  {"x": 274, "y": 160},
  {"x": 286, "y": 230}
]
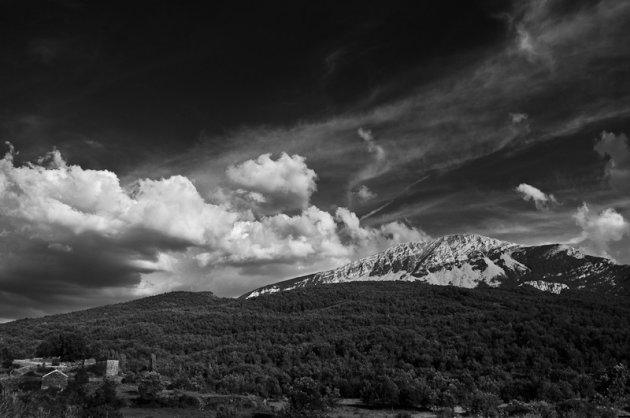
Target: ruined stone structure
[
  {"x": 111, "y": 368},
  {"x": 55, "y": 380}
]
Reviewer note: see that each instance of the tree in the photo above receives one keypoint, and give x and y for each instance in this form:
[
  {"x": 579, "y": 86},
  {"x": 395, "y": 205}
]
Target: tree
[
  {"x": 618, "y": 385},
  {"x": 305, "y": 394},
  {"x": 150, "y": 387},
  {"x": 67, "y": 346},
  {"x": 104, "y": 403},
  {"x": 485, "y": 404},
  {"x": 380, "y": 391},
  {"x": 6, "y": 358},
  {"x": 81, "y": 377}
]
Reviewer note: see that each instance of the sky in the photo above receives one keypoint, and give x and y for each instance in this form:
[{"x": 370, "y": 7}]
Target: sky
[{"x": 152, "y": 146}]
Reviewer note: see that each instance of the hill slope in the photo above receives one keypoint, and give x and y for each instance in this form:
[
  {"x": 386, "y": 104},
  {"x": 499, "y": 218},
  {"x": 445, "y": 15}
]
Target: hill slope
[
  {"x": 430, "y": 345},
  {"x": 469, "y": 260}
]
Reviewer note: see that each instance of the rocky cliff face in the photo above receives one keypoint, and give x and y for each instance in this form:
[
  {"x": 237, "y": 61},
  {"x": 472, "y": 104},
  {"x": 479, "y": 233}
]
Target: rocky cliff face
[{"x": 471, "y": 260}]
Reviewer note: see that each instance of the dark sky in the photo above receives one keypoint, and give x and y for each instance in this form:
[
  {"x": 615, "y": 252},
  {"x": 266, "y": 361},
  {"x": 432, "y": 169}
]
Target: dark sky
[
  {"x": 155, "y": 145},
  {"x": 158, "y": 75}
]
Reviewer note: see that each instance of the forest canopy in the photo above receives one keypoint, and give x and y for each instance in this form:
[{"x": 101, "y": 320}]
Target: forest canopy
[{"x": 387, "y": 343}]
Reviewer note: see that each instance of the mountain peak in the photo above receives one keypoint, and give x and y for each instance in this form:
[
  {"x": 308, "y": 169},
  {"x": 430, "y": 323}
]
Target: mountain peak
[
  {"x": 452, "y": 246},
  {"x": 472, "y": 241}
]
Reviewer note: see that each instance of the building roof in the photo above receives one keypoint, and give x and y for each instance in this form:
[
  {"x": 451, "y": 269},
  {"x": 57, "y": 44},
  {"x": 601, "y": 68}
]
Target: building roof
[{"x": 56, "y": 372}]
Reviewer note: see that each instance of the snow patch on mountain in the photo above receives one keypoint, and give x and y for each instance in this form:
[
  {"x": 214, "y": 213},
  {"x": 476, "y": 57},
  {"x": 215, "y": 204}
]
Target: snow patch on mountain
[
  {"x": 461, "y": 276},
  {"x": 492, "y": 270},
  {"x": 511, "y": 263},
  {"x": 565, "y": 249},
  {"x": 547, "y": 286}
]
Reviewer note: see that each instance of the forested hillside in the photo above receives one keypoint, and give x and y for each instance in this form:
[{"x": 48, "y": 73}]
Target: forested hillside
[{"x": 389, "y": 343}]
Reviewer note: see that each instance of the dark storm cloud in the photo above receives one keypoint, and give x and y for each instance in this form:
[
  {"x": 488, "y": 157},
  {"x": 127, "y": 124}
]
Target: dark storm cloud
[
  {"x": 39, "y": 277},
  {"x": 84, "y": 261},
  {"x": 60, "y": 271}
]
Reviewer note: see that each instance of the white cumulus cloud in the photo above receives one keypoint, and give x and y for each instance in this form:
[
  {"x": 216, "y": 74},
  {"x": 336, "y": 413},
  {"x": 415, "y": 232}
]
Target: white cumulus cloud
[
  {"x": 67, "y": 228},
  {"x": 364, "y": 194},
  {"x": 600, "y": 229},
  {"x": 281, "y": 184},
  {"x": 66, "y": 198},
  {"x": 541, "y": 200}
]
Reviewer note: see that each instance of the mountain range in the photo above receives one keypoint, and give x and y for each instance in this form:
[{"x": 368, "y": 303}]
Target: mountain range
[{"x": 470, "y": 260}]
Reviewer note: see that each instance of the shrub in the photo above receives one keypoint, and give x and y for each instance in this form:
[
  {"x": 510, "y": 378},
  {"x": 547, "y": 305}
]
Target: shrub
[
  {"x": 381, "y": 391},
  {"x": 150, "y": 387}
]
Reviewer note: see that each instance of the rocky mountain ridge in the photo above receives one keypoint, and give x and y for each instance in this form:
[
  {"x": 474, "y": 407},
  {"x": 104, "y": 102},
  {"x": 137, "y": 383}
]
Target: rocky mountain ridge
[{"x": 470, "y": 260}]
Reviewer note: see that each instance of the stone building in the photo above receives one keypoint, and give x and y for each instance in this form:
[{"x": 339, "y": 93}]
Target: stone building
[{"x": 55, "y": 380}]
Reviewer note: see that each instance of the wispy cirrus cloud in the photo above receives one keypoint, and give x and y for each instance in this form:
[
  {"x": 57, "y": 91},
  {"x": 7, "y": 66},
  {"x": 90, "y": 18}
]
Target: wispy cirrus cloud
[
  {"x": 379, "y": 162},
  {"x": 518, "y": 118},
  {"x": 616, "y": 148},
  {"x": 430, "y": 127}
]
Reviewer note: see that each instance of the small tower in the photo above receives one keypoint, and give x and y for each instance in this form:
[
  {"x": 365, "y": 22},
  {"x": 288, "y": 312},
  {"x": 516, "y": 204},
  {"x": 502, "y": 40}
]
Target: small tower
[
  {"x": 153, "y": 363},
  {"x": 122, "y": 363}
]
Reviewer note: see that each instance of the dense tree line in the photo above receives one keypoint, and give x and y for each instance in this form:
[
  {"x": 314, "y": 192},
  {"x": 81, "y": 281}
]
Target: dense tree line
[
  {"x": 78, "y": 400},
  {"x": 388, "y": 343}
]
